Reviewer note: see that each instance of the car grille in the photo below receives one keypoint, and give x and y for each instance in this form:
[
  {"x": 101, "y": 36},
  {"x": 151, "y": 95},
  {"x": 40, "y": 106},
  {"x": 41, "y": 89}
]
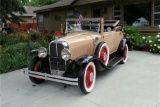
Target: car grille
[{"x": 56, "y": 62}]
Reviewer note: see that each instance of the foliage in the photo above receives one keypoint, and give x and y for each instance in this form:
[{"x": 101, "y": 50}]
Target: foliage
[
  {"x": 34, "y": 35},
  {"x": 7, "y": 9},
  {"x": 14, "y": 49},
  {"x": 49, "y": 37},
  {"x": 134, "y": 36},
  {"x": 39, "y": 2},
  {"x": 153, "y": 43},
  {"x": 6, "y": 40},
  {"x": 15, "y": 56},
  {"x": 139, "y": 41},
  {"x": 3, "y": 39}
]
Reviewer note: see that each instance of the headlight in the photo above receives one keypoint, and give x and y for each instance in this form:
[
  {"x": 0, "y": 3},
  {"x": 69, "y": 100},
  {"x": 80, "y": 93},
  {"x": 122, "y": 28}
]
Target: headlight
[
  {"x": 65, "y": 54},
  {"x": 42, "y": 52}
]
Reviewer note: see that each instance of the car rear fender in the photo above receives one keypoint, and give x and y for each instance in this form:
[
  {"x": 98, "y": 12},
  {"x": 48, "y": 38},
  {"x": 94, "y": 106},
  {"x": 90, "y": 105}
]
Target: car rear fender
[{"x": 122, "y": 44}]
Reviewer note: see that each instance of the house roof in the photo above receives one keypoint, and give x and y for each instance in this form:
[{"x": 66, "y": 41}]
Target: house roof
[
  {"x": 64, "y": 3},
  {"x": 61, "y": 3},
  {"x": 29, "y": 10},
  {"x": 82, "y": 2}
]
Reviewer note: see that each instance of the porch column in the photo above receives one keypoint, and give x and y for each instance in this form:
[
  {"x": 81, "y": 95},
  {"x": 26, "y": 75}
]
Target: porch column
[
  {"x": 152, "y": 13},
  {"x": 122, "y": 13}
]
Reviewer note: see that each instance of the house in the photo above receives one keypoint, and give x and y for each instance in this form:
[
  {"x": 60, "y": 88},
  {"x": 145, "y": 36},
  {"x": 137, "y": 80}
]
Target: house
[
  {"x": 52, "y": 17},
  {"x": 29, "y": 16}
]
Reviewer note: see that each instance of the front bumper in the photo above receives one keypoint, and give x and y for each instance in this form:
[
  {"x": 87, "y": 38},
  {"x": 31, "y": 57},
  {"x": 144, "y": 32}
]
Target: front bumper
[{"x": 60, "y": 79}]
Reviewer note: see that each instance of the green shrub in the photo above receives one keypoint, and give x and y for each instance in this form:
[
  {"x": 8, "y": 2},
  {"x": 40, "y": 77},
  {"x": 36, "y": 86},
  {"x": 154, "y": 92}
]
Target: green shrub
[
  {"x": 129, "y": 30},
  {"x": 134, "y": 36},
  {"x": 12, "y": 63},
  {"x": 34, "y": 35},
  {"x": 153, "y": 42},
  {"x": 3, "y": 39},
  {"x": 49, "y": 37},
  {"x": 6, "y": 40},
  {"x": 14, "y": 49},
  {"x": 15, "y": 56}
]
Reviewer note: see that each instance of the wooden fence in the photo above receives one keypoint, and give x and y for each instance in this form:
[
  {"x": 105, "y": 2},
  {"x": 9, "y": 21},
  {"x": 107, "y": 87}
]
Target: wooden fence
[{"x": 24, "y": 26}]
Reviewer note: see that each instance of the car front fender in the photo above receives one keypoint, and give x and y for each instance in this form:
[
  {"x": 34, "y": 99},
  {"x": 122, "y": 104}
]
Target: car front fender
[
  {"x": 88, "y": 58},
  {"x": 33, "y": 52}
]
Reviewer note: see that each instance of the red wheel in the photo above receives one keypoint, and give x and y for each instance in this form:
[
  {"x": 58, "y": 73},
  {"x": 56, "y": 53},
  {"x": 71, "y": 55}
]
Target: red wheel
[
  {"x": 87, "y": 78},
  {"x": 36, "y": 66},
  {"x": 104, "y": 53},
  {"x": 125, "y": 54}
]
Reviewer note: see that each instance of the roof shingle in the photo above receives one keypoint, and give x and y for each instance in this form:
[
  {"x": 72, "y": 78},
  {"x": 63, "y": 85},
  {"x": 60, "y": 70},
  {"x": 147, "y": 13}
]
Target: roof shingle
[
  {"x": 60, "y": 3},
  {"x": 29, "y": 10}
]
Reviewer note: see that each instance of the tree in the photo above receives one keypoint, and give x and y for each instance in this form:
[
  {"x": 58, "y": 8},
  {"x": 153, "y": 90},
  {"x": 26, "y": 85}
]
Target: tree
[
  {"x": 38, "y": 2},
  {"x": 7, "y": 8}
]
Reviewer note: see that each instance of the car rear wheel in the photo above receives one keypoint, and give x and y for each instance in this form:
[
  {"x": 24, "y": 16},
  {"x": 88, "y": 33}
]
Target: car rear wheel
[
  {"x": 36, "y": 66},
  {"x": 125, "y": 55},
  {"x": 87, "y": 78},
  {"x": 103, "y": 53}
]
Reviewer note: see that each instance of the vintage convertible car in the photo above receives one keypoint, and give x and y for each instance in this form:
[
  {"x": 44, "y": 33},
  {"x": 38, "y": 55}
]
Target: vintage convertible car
[{"x": 90, "y": 45}]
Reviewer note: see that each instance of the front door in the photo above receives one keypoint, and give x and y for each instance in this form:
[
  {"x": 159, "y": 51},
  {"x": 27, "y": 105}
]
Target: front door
[{"x": 138, "y": 14}]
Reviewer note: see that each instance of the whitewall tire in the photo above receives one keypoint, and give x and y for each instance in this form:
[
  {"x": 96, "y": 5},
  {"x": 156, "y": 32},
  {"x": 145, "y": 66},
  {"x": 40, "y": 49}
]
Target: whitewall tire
[
  {"x": 87, "y": 78},
  {"x": 125, "y": 54}
]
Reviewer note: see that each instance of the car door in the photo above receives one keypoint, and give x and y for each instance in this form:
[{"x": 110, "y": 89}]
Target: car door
[
  {"x": 118, "y": 37},
  {"x": 110, "y": 38}
]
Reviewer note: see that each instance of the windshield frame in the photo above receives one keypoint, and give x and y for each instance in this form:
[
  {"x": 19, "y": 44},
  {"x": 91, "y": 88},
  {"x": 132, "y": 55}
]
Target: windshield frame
[{"x": 90, "y": 22}]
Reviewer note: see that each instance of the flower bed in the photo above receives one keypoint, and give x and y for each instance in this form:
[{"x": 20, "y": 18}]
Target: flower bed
[
  {"x": 153, "y": 43},
  {"x": 14, "y": 49},
  {"x": 140, "y": 42}
]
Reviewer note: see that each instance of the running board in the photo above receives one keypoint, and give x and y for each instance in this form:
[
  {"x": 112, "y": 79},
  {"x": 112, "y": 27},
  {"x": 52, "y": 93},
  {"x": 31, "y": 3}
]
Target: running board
[{"x": 113, "y": 62}]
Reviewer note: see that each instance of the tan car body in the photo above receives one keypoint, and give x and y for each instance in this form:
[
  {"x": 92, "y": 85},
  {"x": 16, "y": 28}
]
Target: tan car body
[
  {"x": 89, "y": 54},
  {"x": 85, "y": 42}
]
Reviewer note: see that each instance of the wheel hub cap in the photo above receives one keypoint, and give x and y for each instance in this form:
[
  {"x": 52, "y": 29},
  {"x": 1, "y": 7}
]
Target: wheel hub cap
[
  {"x": 103, "y": 55},
  {"x": 91, "y": 77}
]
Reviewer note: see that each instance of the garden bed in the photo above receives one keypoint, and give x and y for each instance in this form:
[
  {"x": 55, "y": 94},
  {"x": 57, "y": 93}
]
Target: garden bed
[
  {"x": 140, "y": 42},
  {"x": 14, "y": 49}
]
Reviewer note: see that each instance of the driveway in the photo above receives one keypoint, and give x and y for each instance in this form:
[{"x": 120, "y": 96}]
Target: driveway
[{"x": 134, "y": 84}]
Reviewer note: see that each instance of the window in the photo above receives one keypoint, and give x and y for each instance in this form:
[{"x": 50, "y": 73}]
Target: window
[
  {"x": 96, "y": 13},
  {"x": 157, "y": 12},
  {"x": 117, "y": 13},
  {"x": 40, "y": 20},
  {"x": 70, "y": 14}
]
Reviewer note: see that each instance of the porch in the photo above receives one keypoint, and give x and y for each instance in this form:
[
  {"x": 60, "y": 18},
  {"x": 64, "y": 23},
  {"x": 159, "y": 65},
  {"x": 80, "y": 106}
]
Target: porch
[{"x": 149, "y": 30}]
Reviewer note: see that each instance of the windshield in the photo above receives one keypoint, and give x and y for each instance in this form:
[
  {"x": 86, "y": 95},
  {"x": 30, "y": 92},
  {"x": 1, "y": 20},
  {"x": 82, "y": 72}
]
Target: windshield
[{"x": 80, "y": 26}]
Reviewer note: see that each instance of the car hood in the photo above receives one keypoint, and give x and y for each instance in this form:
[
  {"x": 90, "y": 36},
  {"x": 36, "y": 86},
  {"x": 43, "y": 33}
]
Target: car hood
[{"x": 80, "y": 43}]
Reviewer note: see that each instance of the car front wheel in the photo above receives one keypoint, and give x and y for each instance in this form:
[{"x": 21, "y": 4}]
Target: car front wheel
[
  {"x": 87, "y": 78},
  {"x": 36, "y": 66}
]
